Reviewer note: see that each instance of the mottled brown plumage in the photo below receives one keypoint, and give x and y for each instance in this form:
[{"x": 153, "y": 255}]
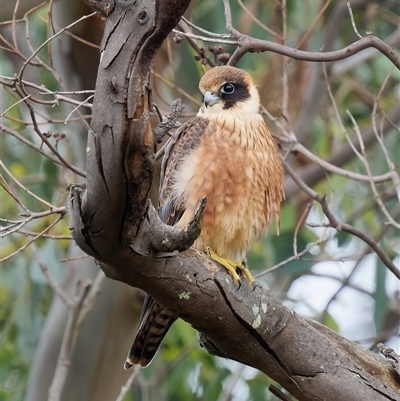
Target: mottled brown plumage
[{"x": 227, "y": 154}]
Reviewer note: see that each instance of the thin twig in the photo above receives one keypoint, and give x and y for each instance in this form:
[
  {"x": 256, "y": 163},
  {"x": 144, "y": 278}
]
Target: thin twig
[
  {"x": 200, "y": 29},
  {"x": 47, "y": 142},
  {"x": 15, "y": 104},
  {"x": 259, "y": 23},
  {"x": 298, "y": 147},
  {"x": 352, "y": 19},
  {"x": 21, "y": 72},
  {"x": 195, "y": 46},
  {"x": 278, "y": 393},
  {"x": 343, "y": 285},
  {"x": 363, "y": 158},
  {"x": 297, "y": 256},
  {"x": 179, "y": 90},
  {"x": 23, "y": 247},
  {"x": 249, "y": 44},
  {"x": 91, "y": 298},
  {"x": 68, "y": 344},
  {"x": 313, "y": 25},
  {"x": 7, "y": 188},
  {"x": 340, "y": 226},
  {"x": 285, "y": 61},
  {"x": 37, "y": 149},
  {"x": 205, "y": 39},
  {"x": 395, "y": 175},
  {"x": 230, "y": 383},
  {"x": 53, "y": 284},
  {"x": 127, "y": 386},
  {"x": 38, "y": 198},
  {"x": 49, "y": 236},
  {"x": 83, "y": 103},
  {"x": 58, "y": 95},
  {"x": 299, "y": 224}
]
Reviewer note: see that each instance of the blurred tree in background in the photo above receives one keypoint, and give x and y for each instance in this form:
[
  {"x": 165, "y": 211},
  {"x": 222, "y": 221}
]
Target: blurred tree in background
[{"x": 337, "y": 124}]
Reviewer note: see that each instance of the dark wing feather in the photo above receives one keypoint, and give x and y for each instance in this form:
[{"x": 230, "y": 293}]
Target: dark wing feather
[
  {"x": 155, "y": 320},
  {"x": 186, "y": 138}
]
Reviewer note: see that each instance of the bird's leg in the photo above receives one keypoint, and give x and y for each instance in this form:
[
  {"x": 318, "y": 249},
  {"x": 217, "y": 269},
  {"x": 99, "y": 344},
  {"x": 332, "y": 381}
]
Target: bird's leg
[{"x": 231, "y": 266}]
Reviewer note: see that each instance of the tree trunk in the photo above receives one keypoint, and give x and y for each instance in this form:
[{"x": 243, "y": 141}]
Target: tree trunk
[{"x": 112, "y": 220}]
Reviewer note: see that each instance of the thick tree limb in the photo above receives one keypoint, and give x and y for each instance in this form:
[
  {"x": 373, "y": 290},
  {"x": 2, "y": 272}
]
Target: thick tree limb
[{"x": 111, "y": 220}]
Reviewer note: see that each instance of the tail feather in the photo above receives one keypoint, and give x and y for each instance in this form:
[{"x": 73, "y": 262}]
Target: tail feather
[{"x": 155, "y": 322}]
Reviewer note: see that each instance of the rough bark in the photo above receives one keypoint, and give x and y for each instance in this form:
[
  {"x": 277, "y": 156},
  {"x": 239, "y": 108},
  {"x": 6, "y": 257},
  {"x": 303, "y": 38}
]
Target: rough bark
[{"x": 112, "y": 220}]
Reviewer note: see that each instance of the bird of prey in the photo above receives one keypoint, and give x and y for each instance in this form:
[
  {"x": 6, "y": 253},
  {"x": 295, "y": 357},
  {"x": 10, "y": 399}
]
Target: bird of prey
[{"x": 226, "y": 154}]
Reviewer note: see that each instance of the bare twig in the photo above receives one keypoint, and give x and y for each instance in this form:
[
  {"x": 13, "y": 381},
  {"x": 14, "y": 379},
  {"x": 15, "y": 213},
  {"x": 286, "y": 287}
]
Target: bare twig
[
  {"x": 206, "y": 39},
  {"x": 47, "y": 142},
  {"x": 21, "y": 72},
  {"x": 191, "y": 40},
  {"x": 344, "y": 284},
  {"x": 127, "y": 386},
  {"x": 83, "y": 103},
  {"x": 297, "y": 147},
  {"x": 352, "y": 19},
  {"x": 7, "y": 188},
  {"x": 15, "y": 104},
  {"x": 37, "y": 149},
  {"x": 285, "y": 61},
  {"x": 352, "y": 62},
  {"x": 11, "y": 82},
  {"x": 313, "y": 25},
  {"x": 230, "y": 383},
  {"x": 340, "y": 226},
  {"x": 23, "y": 247},
  {"x": 363, "y": 158},
  {"x": 91, "y": 298},
  {"x": 297, "y": 256},
  {"x": 179, "y": 90},
  {"x": 394, "y": 173},
  {"x": 49, "y": 236},
  {"x": 299, "y": 224},
  {"x": 200, "y": 29},
  {"x": 39, "y": 199},
  {"x": 68, "y": 344},
  {"x": 278, "y": 393},
  {"x": 53, "y": 284},
  {"x": 259, "y": 23},
  {"x": 169, "y": 122}
]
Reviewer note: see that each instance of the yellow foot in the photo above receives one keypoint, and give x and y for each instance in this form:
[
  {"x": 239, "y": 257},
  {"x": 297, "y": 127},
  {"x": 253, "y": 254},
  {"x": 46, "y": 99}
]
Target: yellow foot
[{"x": 231, "y": 266}]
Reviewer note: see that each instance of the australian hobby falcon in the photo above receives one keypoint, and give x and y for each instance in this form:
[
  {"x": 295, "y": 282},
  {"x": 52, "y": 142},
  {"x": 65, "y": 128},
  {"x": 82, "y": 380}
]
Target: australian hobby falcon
[{"x": 226, "y": 154}]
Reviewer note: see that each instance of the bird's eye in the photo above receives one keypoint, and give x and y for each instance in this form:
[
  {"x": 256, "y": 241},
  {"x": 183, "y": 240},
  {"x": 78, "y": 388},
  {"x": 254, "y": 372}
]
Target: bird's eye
[{"x": 227, "y": 89}]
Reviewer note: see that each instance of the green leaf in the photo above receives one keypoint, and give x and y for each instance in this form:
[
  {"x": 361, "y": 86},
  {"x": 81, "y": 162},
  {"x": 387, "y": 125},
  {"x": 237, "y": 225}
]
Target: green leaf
[{"x": 331, "y": 323}]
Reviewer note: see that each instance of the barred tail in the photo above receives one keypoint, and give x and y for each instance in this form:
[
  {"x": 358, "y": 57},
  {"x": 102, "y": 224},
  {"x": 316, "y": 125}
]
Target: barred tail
[{"x": 154, "y": 325}]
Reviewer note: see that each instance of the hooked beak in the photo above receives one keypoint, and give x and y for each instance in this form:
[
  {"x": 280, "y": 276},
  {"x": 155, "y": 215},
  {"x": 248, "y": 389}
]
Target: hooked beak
[{"x": 210, "y": 98}]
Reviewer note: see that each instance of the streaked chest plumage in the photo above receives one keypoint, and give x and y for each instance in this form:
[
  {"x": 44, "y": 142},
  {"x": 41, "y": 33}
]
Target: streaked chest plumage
[{"x": 237, "y": 167}]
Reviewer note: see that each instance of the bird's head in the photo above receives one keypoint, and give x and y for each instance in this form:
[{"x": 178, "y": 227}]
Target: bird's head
[{"x": 228, "y": 89}]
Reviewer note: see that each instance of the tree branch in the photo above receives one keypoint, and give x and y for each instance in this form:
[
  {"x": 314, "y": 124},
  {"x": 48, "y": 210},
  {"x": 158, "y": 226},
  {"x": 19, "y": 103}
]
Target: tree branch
[{"x": 249, "y": 44}]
